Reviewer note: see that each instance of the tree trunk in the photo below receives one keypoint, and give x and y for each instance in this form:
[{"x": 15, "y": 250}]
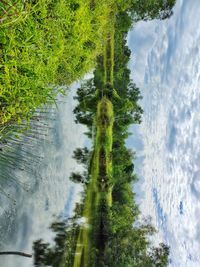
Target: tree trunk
[{"x": 16, "y": 253}]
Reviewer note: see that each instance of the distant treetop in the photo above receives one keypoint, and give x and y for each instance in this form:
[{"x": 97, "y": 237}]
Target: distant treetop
[{"x": 151, "y": 9}]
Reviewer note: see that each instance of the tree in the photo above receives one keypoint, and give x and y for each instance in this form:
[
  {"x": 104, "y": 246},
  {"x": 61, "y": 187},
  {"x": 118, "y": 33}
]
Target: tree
[
  {"x": 160, "y": 255},
  {"x": 81, "y": 155},
  {"x": 151, "y": 9},
  {"x": 63, "y": 249},
  {"x": 19, "y": 253},
  {"x": 76, "y": 177}
]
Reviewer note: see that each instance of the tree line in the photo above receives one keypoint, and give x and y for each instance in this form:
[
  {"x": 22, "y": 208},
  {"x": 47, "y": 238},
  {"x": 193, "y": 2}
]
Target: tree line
[{"x": 127, "y": 242}]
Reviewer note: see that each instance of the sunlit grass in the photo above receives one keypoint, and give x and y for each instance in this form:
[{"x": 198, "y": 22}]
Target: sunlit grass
[
  {"x": 43, "y": 44},
  {"x": 95, "y": 194}
]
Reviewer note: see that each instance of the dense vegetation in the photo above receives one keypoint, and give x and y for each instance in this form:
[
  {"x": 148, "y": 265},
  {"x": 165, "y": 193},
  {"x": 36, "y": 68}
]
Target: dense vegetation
[{"x": 44, "y": 44}]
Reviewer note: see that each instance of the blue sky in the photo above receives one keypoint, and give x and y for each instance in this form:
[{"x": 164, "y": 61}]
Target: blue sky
[
  {"x": 50, "y": 193},
  {"x": 165, "y": 64}
]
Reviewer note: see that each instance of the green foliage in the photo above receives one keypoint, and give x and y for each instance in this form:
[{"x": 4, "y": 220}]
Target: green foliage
[
  {"x": 43, "y": 44},
  {"x": 81, "y": 155},
  {"x": 151, "y": 9},
  {"x": 78, "y": 178},
  {"x": 87, "y": 97},
  {"x": 64, "y": 247}
]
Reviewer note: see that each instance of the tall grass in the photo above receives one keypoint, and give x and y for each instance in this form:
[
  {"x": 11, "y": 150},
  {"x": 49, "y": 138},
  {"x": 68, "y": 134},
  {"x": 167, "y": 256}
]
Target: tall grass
[{"x": 43, "y": 44}]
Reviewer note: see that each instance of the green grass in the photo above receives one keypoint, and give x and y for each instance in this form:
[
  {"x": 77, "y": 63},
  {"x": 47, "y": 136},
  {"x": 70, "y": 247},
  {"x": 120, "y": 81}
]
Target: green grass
[
  {"x": 95, "y": 194},
  {"x": 44, "y": 44}
]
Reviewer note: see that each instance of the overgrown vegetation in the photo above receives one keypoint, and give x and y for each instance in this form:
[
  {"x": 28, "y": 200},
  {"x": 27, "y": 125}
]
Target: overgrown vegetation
[{"x": 44, "y": 44}]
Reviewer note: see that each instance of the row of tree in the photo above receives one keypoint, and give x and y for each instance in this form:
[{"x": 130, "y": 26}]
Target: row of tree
[{"x": 127, "y": 243}]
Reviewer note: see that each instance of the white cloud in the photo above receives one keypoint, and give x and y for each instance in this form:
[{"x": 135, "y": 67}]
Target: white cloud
[
  {"x": 51, "y": 193},
  {"x": 168, "y": 73}
]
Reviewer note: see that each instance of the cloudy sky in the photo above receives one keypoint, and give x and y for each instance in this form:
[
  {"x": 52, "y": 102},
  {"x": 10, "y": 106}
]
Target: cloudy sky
[
  {"x": 50, "y": 193},
  {"x": 165, "y": 64}
]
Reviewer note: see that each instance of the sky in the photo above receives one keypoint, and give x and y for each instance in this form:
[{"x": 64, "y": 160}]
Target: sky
[
  {"x": 165, "y": 64},
  {"x": 49, "y": 191}
]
